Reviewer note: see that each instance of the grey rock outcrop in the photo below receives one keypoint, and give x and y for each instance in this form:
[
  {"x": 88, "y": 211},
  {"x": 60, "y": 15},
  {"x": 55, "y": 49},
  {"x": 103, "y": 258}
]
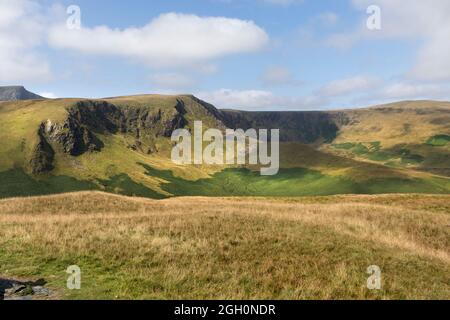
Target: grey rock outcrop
[{"x": 43, "y": 154}]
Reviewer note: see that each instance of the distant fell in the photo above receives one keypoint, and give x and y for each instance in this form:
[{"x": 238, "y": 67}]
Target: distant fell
[{"x": 15, "y": 93}]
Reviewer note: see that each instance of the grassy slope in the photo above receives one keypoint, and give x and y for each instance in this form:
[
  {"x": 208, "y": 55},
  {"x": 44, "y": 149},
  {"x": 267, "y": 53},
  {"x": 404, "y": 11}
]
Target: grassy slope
[
  {"x": 306, "y": 171},
  {"x": 230, "y": 248},
  {"x": 409, "y": 125},
  {"x": 292, "y": 182},
  {"x": 407, "y": 122},
  {"x": 19, "y": 123}
]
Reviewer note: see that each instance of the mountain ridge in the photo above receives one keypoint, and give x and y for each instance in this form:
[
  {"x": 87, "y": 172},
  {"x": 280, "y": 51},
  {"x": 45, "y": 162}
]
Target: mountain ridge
[
  {"x": 16, "y": 93},
  {"x": 122, "y": 145}
]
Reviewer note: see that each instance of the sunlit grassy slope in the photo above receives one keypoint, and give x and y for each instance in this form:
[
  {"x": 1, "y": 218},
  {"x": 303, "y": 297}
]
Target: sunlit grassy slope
[
  {"x": 394, "y": 148},
  {"x": 230, "y": 248},
  {"x": 19, "y": 123},
  {"x": 411, "y": 134}
]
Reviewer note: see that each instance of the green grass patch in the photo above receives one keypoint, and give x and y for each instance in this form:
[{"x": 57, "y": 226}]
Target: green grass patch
[
  {"x": 373, "y": 151},
  {"x": 380, "y": 156},
  {"x": 397, "y": 185},
  {"x": 344, "y": 146},
  {"x": 16, "y": 183},
  {"x": 245, "y": 182},
  {"x": 413, "y": 159},
  {"x": 440, "y": 140},
  {"x": 360, "y": 149},
  {"x": 123, "y": 184},
  {"x": 375, "y": 146},
  {"x": 291, "y": 182}
]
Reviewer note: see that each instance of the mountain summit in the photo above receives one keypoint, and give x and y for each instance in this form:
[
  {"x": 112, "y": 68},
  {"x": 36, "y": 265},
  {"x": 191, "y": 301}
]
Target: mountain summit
[{"x": 14, "y": 93}]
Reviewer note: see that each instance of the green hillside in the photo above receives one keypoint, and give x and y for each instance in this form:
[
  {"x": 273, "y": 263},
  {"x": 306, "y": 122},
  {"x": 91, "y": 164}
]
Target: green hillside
[{"x": 122, "y": 145}]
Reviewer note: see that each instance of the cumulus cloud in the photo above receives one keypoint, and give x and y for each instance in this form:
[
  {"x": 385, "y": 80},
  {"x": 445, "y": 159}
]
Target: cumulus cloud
[
  {"x": 355, "y": 87},
  {"x": 403, "y": 91},
  {"x": 49, "y": 95},
  {"x": 428, "y": 21},
  {"x": 226, "y": 98},
  {"x": 21, "y": 32},
  {"x": 169, "y": 40},
  {"x": 433, "y": 60},
  {"x": 259, "y": 100}
]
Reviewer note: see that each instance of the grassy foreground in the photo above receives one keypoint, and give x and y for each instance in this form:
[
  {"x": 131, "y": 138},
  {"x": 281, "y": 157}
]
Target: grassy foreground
[{"x": 230, "y": 248}]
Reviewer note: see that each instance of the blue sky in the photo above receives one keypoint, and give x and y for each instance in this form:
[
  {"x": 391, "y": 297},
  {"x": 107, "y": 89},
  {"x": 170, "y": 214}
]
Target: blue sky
[{"x": 246, "y": 54}]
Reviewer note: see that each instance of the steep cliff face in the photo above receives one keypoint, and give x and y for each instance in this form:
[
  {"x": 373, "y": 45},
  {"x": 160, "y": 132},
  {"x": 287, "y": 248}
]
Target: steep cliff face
[
  {"x": 43, "y": 154},
  {"x": 304, "y": 127},
  {"x": 104, "y": 117},
  {"x": 87, "y": 120},
  {"x": 74, "y": 137},
  {"x": 144, "y": 122}
]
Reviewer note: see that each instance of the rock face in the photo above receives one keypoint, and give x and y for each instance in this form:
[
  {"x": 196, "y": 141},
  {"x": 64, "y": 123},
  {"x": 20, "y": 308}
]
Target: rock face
[
  {"x": 88, "y": 119},
  {"x": 104, "y": 117},
  {"x": 304, "y": 127},
  {"x": 74, "y": 137},
  {"x": 43, "y": 154},
  {"x": 14, "y": 93}
]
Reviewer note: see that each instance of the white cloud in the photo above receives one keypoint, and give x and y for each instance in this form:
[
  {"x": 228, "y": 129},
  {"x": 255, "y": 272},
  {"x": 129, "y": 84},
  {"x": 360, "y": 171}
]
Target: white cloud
[
  {"x": 169, "y": 40},
  {"x": 357, "y": 86},
  {"x": 49, "y": 95},
  {"x": 433, "y": 60},
  {"x": 403, "y": 91},
  {"x": 21, "y": 32},
  {"x": 171, "y": 81},
  {"x": 260, "y": 100},
  {"x": 226, "y": 98},
  {"x": 427, "y": 21},
  {"x": 277, "y": 76},
  {"x": 353, "y": 85}
]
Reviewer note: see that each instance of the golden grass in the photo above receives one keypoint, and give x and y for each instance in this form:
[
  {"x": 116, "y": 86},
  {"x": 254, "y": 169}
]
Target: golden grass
[
  {"x": 410, "y": 122},
  {"x": 231, "y": 247}
]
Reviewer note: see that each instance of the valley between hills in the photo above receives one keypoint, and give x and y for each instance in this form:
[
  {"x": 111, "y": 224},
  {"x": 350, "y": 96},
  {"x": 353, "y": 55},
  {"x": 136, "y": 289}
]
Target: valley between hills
[
  {"x": 90, "y": 182},
  {"x": 122, "y": 145}
]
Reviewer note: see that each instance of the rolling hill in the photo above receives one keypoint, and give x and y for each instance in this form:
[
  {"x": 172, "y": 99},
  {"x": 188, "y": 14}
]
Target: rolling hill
[{"x": 122, "y": 145}]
